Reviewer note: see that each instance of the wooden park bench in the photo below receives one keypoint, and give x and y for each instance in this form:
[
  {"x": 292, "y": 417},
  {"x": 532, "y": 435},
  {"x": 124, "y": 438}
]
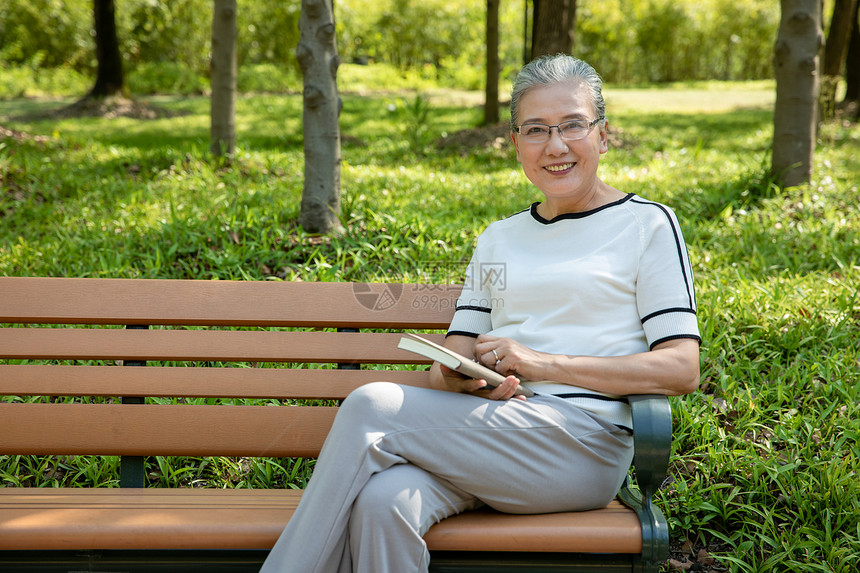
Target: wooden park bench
[{"x": 106, "y": 367}]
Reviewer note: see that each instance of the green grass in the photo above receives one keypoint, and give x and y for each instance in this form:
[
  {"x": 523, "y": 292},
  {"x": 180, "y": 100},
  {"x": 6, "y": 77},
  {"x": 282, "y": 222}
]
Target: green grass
[{"x": 765, "y": 453}]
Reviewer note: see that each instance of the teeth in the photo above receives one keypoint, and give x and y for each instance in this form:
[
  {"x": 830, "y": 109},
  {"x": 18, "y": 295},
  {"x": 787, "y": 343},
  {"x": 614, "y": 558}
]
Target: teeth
[{"x": 559, "y": 167}]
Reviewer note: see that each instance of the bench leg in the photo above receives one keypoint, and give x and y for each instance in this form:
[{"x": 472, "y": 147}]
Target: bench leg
[{"x": 655, "y": 531}]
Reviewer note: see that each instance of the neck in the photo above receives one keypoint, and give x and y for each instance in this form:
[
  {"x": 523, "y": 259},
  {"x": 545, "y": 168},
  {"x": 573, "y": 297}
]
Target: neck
[{"x": 602, "y": 194}]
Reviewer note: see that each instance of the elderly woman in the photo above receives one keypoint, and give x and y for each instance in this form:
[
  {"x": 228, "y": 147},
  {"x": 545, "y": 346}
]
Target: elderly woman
[{"x": 583, "y": 298}]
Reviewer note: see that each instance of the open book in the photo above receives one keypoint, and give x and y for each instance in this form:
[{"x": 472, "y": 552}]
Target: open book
[{"x": 454, "y": 361}]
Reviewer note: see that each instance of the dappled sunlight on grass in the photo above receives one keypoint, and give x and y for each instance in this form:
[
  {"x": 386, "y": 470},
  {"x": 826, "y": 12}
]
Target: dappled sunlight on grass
[
  {"x": 693, "y": 97},
  {"x": 766, "y": 454}
]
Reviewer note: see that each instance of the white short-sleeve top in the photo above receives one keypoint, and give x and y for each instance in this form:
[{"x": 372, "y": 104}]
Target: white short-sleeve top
[{"x": 612, "y": 281}]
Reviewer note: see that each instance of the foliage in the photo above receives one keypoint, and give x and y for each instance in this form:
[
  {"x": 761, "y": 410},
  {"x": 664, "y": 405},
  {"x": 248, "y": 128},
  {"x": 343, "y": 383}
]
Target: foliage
[
  {"x": 42, "y": 82},
  {"x": 153, "y": 32},
  {"x": 179, "y": 33},
  {"x": 439, "y": 37},
  {"x": 765, "y": 457},
  {"x": 628, "y": 41},
  {"x": 46, "y": 33},
  {"x": 54, "y": 33},
  {"x": 413, "y": 120},
  {"x": 268, "y": 32},
  {"x": 268, "y": 78},
  {"x": 662, "y": 40},
  {"x": 165, "y": 78}
]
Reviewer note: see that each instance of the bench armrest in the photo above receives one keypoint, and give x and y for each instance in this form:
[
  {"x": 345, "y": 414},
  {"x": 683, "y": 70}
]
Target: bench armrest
[
  {"x": 652, "y": 437},
  {"x": 652, "y": 427}
]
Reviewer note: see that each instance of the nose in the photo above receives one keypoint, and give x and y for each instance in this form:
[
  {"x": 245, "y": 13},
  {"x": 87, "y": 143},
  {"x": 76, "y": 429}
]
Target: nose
[{"x": 556, "y": 145}]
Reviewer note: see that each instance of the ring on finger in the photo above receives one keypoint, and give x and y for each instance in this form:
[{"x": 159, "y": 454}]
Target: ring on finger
[{"x": 496, "y": 355}]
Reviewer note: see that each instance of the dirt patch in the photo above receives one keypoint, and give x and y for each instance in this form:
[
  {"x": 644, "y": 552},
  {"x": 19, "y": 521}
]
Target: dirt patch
[
  {"x": 495, "y": 136},
  {"x": 685, "y": 555},
  {"x": 108, "y": 108}
]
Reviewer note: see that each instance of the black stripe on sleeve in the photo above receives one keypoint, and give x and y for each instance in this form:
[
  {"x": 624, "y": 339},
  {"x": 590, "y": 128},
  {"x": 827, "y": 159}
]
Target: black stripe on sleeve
[
  {"x": 667, "y": 311},
  {"x": 475, "y": 308},
  {"x": 676, "y": 337},
  {"x": 461, "y": 333}
]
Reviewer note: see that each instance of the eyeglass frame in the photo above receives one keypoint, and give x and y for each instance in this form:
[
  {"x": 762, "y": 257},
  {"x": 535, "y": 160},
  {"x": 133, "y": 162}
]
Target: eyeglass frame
[{"x": 591, "y": 125}]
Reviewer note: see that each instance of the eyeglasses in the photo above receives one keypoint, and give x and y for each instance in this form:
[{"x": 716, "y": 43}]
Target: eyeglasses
[{"x": 569, "y": 130}]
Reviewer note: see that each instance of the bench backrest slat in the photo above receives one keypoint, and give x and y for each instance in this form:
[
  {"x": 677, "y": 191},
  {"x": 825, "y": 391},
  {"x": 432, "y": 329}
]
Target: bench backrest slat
[
  {"x": 203, "y": 345},
  {"x": 151, "y": 429},
  {"x": 224, "y": 303},
  {"x": 181, "y": 382}
]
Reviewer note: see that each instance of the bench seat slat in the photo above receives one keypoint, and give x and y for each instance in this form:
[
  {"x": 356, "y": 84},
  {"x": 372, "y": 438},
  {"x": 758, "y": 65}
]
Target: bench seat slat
[
  {"x": 253, "y": 519},
  {"x": 204, "y": 345},
  {"x": 225, "y": 303},
  {"x": 156, "y": 381},
  {"x": 166, "y": 430}
]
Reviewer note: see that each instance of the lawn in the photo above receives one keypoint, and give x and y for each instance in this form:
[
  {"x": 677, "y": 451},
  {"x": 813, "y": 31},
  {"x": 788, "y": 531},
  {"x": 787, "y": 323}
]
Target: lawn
[{"x": 765, "y": 461}]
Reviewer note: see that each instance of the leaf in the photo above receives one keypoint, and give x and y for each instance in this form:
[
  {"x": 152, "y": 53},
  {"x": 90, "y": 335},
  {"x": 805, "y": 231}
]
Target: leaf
[
  {"x": 676, "y": 565},
  {"x": 704, "y": 558}
]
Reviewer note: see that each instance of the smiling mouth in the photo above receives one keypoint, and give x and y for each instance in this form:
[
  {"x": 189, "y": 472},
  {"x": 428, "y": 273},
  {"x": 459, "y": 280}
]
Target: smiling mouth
[{"x": 559, "y": 168}]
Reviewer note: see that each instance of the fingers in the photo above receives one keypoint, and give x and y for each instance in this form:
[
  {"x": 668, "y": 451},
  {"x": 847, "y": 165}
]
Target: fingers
[
  {"x": 490, "y": 351},
  {"x": 509, "y": 357},
  {"x": 494, "y": 359},
  {"x": 457, "y": 382},
  {"x": 497, "y": 357},
  {"x": 504, "y": 391}
]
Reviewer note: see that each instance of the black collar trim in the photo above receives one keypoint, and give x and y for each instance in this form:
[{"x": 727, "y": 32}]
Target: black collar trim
[{"x": 582, "y": 215}]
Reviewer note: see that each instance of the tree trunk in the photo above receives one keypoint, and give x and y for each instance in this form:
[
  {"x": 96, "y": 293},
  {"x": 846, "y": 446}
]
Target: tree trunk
[
  {"x": 491, "y": 103},
  {"x": 222, "y": 139},
  {"x": 852, "y": 67},
  {"x": 109, "y": 75},
  {"x": 796, "y": 68},
  {"x": 553, "y": 27},
  {"x": 834, "y": 53},
  {"x": 319, "y": 60}
]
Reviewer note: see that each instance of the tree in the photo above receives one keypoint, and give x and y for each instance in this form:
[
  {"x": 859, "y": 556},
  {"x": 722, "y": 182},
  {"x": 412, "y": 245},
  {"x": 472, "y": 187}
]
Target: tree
[
  {"x": 553, "y": 27},
  {"x": 835, "y": 49},
  {"x": 491, "y": 103},
  {"x": 796, "y": 68},
  {"x": 319, "y": 60},
  {"x": 222, "y": 137},
  {"x": 852, "y": 68},
  {"x": 109, "y": 76}
]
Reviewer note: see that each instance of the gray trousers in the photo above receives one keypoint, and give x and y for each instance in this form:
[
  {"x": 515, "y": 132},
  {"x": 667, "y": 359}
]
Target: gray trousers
[{"x": 399, "y": 459}]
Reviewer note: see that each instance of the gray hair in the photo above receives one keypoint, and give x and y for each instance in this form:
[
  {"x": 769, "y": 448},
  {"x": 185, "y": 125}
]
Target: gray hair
[{"x": 557, "y": 69}]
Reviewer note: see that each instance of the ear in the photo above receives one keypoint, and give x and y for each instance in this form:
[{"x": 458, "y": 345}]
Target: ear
[
  {"x": 516, "y": 147},
  {"x": 604, "y": 137}
]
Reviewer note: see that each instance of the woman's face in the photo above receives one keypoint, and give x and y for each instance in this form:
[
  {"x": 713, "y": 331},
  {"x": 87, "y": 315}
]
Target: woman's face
[{"x": 565, "y": 171}]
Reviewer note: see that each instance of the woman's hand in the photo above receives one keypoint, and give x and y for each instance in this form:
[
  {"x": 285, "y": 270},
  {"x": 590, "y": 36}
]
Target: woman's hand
[
  {"x": 456, "y": 382},
  {"x": 510, "y": 358},
  {"x": 443, "y": 378}
]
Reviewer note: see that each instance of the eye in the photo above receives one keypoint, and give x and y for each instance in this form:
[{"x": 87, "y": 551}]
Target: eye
[
  {"x": 534, "y": 129},
  {"x": 574, "y": 126}
]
